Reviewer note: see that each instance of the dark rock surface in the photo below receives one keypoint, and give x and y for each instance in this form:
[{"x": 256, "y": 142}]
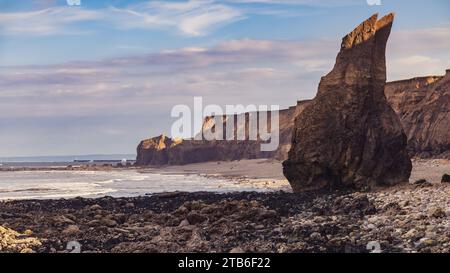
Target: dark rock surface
[
  {"x": 403, "y": 219},
  {"x": 349, "y": 136}
]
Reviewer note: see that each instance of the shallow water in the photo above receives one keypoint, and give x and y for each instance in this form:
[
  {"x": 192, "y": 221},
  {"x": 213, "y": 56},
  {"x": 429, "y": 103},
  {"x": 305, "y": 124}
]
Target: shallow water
[{"x": 125, "y": 183}]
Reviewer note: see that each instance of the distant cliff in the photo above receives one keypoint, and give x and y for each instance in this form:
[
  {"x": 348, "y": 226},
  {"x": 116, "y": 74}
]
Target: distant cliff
[
  {"x": 162, "y": 150},
  {"x": 423, "y": 105}
]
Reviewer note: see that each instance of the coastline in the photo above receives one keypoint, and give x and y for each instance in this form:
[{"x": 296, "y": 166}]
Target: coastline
[{"x": 406, "y": 218}]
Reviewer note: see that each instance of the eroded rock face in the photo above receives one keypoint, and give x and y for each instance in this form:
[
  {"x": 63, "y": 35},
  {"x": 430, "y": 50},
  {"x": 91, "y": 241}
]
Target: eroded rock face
[
  {"x": 162, "y": 150},
  {"x": 423, "y": 105},
  {"x": 153, "y": 151},
  {"x": 349, "y": 136}
]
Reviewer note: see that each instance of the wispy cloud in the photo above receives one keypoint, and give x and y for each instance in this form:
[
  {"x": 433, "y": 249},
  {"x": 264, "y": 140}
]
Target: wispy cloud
[
  {"x": 418, "y": 52},
  {"x": 191, "y": 18},
  {"x": 49, "y": 21},
  {"x": 135, "y": 93},
  {"x": 330, "y": 3}
]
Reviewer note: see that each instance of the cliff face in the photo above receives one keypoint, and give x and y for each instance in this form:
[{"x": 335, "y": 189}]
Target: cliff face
[
  {"x": 423, "y": 105},
  {"x": 162, "y": 150},
  {"x": 349, "y": 136}
]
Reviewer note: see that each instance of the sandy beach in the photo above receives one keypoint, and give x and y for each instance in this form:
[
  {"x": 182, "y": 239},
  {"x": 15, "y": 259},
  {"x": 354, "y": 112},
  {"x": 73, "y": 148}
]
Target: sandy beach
[
  {"x": 270, "y": 172},
  {"x": 260, "y": 173}
]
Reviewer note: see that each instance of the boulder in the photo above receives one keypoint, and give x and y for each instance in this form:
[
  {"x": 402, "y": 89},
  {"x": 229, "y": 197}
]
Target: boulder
[{"x": 349, "y": 136}]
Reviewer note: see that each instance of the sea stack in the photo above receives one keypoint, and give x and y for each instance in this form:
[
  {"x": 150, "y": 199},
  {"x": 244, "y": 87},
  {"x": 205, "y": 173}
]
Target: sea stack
[{"x": 349, "y": 136}]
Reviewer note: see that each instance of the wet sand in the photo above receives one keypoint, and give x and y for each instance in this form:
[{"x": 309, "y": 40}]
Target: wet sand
[{"x": 272, "y": 170}]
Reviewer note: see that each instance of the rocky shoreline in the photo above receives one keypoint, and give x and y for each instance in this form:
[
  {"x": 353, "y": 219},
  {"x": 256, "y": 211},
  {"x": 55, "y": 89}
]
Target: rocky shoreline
[{"x": 410, "y": 218}]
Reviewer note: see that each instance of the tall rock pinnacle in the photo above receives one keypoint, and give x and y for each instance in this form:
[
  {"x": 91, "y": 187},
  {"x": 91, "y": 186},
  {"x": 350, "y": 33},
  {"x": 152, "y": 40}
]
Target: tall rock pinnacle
[{"x": 349, "y": 136}]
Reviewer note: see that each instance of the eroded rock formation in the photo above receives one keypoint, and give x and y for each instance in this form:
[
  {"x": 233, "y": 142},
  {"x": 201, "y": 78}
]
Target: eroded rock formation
[
  {"x": 162, "y": 150},
  {"x": 423, "y": 105},
  {"x": 349, "y": 136}
]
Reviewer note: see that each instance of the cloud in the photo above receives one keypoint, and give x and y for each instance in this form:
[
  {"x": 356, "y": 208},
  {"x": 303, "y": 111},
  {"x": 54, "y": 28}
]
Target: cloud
[
  {"x": 159, "y": 80},
  {"x": 401, "y": 67},
  {"x": 50, "y": 21},
  {"x": 329, "y": 3},
  {"x": 227, "y": 67},
  {"x": 139, "y": 90},
  {"x": 191, "y": 18},
  {"x": 419, "y": 52}
]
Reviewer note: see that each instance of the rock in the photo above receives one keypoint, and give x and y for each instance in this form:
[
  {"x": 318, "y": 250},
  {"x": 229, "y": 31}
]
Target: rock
[
  {"x": 420, "y": 103},
  {"x": 315, "y": 236},
  {"x": 237, "y": 250},
  {"x": 129, "y": 205},
  {"x": 95, "y": 207},
  {"x": 162, "y": 150},
  {"x": 349, "y": 136},
  {"x": 26, "y": 251},
  {"x": 437, "y": 213},
  {"x": 254, "y": 222},
  {"x": 153, "y": 151},
  {"x": 354, "y": 205},
  {"x": 93, "y": 223},
  {"x": 28, "y": 232},
  {"x": 411, "y": 234},
  {"x": 424, "y": 242},
  {"x": 61, "y": 220},
  {"x": 184, "y": 223},
  {"x": 420, "y": 181},
  {"x": 194, "y": 218},
  {"x": 108, "y": 222},
  {"x": 71, "y": 230},
  {"x": 12, "y": 241},
  {"x": 445, "y": 178}
]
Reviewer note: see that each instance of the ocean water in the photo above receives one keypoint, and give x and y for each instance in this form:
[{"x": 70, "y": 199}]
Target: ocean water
[{"x": 18, "y": 185}]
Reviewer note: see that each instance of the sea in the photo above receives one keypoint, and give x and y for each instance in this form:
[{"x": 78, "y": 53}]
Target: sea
[{"x": 55, "y": 184}]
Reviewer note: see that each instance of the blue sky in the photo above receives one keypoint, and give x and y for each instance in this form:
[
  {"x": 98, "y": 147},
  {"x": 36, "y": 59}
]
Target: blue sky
[{"x": 99, "y": 77}]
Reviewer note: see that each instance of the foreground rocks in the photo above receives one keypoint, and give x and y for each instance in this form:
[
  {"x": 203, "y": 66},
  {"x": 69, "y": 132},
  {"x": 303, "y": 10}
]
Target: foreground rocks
[
  {"x": 12, "y": 241},
  {"x": 349, "y": 136},
  {"x": 413, "y": 218}
]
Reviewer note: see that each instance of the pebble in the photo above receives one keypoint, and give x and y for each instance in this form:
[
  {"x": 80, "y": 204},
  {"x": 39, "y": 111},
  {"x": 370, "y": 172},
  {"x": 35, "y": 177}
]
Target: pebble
[
  {"x": 404, "y": 219},
  {"x": 71, "y": 230}
]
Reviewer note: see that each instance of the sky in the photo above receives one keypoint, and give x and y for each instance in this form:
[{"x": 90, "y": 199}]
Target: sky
[{"x": 99, "y": 77}]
